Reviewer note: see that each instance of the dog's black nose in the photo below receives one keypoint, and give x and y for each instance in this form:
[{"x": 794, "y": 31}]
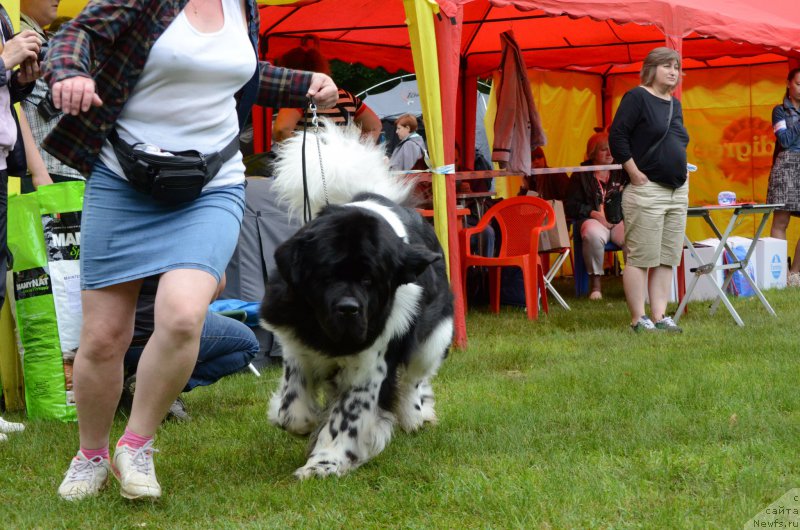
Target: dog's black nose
[{"x": 348, "y": 306}]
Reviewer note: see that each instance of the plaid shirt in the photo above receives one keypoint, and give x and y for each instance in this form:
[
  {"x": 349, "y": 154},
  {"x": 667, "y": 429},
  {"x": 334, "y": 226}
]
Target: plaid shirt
[
  {"x": 40, "y": 127},
  {"x": 121, "y": 33}
]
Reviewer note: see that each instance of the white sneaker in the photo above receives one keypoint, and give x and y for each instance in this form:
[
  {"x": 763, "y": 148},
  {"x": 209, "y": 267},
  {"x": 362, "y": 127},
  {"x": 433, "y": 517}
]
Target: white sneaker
[
  {"x": 136, "y": 472},
  {"x": 10, "y": 426},
  {"x": 84, "y": 478}
]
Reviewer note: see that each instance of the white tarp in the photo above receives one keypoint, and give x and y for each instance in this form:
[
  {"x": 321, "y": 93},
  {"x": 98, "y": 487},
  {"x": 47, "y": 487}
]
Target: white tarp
[{"x": 404, "y": 98}]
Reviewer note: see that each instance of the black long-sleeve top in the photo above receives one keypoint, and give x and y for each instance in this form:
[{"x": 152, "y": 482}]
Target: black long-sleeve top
[
  {"x": 639, "y": 122},
  {"x": 585, "y": 194}
]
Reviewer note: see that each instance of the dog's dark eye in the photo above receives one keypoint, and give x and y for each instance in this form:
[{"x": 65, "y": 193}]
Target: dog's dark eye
[{"x": 366, "y": 282}]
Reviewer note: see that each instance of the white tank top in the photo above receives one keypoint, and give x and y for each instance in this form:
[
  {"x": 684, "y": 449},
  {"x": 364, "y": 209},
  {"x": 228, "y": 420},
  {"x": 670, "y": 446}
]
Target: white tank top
[{"x": 184, "y": 97}]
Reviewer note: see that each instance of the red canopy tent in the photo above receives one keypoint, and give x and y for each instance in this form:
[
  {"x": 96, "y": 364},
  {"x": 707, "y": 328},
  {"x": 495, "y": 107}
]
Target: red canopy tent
[
  {"x": 604, "y": 36},
  {"x": 611, "y": 37},
  {"x": 598, "y": 36}
]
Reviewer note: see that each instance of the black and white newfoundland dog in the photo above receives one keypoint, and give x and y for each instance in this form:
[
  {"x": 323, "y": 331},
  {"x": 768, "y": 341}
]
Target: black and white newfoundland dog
[{"x": 360, "y": 303}]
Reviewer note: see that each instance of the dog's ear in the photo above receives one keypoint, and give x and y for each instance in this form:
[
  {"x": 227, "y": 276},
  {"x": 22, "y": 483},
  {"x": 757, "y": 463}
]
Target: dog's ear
[
  {"x": 416, "y": 259},
  {"x": 287, "y": 259}
]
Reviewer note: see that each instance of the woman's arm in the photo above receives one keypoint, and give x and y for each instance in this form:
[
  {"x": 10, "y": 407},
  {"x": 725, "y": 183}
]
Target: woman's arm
[
  {"x": 785, "y": 135},
  {"x": 370, "y": 124},
  {"x": 20, "y": 50},
  {"x": 637, "y": 177},
  {"x": 33, "y": 157},
  {"x": 577, "y": 205},
  {"x": 620, "y": 134},
  {"x": 282, "y": 87},
  {"x": 285, "y": 123},
  {"x": 84, "y": 41},
  {"x": 88, "y": 37}
]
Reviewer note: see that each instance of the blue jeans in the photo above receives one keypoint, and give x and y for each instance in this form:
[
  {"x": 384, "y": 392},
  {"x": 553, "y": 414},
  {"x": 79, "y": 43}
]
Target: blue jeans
[
  {"x": 481, "y": 244},
  {"x": 226, "y": 346}
]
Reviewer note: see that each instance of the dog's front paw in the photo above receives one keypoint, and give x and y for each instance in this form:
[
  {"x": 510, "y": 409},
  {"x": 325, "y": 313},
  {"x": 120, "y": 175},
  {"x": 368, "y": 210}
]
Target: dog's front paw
[{"x": 322, "y": 466}]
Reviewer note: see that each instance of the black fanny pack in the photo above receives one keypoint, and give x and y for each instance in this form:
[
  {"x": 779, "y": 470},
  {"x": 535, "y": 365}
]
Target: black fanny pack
[{"x": 166, "y": 176}]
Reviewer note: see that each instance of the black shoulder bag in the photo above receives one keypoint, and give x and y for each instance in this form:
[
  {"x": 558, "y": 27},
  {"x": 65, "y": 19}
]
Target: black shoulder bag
[{"x": 612, "y": 203}]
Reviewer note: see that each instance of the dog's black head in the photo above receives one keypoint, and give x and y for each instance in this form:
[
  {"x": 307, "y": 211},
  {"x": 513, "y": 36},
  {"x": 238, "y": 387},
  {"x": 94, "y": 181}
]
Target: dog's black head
[{"x": 342, "y": 269}]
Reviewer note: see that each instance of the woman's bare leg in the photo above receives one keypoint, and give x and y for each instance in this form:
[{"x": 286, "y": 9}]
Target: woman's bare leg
[
  {"x": 108, "y": 317},
  {"x": 171, "y": 353}
]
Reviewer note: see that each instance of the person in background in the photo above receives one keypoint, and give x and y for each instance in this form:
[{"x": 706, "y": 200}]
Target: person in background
[
  {"x": 141, "y": 94},
  {"x": 784, "y": 178},
  {"x": 349, "y": 109},
  {"x": 20, "y": 50},
  {"x": 411, "y": 152},
  {"x": 309, "y": 41},
  {"x": 483, "y": 243},
  {"x": 56, "y": 24},
  {"x": 226, "y": 346},
  {"x": 584, "y": 204},
  {"x": 656, "y": 200},
  {"x": 38, "y": 107},
  {"x": 550, "y": 187}
]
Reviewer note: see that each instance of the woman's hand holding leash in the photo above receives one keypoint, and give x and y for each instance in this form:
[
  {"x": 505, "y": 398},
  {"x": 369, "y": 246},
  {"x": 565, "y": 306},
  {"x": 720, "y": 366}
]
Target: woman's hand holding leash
[
  {"x": 323, "y": 91},
  {"x": 75, "y": 95}
]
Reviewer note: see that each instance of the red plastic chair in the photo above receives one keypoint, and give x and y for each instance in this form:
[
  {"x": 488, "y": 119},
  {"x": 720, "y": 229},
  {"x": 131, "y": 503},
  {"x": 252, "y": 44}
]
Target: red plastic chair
[{"x": 521, "y": 220}]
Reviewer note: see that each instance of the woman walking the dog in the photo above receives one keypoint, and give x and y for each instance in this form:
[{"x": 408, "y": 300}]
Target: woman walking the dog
[{"x": 155, "y": 125}]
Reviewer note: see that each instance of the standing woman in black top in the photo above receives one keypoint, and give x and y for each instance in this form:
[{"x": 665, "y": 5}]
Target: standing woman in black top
[{"x": 648, "y": 138}]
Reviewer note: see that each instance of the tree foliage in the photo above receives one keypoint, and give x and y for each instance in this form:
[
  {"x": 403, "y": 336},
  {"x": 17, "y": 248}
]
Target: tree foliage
[{"x": 356, "y": 77}]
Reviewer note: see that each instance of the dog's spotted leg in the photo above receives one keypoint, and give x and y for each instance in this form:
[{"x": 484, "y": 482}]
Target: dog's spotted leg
[
  {"x": 415, "y": 403},
  {"x": 355, "y": 429},
  {"x": 293, "y": 406}
]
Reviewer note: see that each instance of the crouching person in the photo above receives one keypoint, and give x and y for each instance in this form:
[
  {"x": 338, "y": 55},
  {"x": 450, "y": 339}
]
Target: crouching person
[{"x": 226, "y": 346}]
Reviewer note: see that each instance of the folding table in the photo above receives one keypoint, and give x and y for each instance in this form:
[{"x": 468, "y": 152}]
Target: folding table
[
  {"x": 563, "y": 254},
  {"x": 738, "y": 212}
]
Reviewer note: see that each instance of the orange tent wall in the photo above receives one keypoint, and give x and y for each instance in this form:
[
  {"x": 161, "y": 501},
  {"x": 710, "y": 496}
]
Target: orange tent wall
[
  {"x": 570, "y": 105},
  {"x": 727, "y": 112}
]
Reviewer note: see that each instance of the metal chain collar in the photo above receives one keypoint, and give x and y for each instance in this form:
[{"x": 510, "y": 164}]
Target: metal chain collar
[{"x": 315, "y": 122}]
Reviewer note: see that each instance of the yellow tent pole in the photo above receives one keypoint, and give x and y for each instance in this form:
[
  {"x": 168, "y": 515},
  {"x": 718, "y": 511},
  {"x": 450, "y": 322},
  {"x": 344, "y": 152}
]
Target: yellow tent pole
[
  {"x": 424, "y": 49},
  {"x": 419, "y": 18},
  {"x": 10, "y": 366}
]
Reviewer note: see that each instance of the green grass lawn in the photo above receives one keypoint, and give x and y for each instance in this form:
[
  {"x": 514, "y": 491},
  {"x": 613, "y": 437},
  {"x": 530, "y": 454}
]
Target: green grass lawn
[{"x": 568, "y": 422}]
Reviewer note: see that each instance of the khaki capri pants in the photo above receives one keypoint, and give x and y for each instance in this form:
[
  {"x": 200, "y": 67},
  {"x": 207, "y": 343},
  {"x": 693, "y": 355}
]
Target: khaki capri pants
[{"x": 655, "y": 223}]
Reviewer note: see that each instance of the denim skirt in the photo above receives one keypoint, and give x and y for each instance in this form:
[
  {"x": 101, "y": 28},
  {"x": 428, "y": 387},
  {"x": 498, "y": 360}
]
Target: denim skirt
[{"x": 126, "y": 235}]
